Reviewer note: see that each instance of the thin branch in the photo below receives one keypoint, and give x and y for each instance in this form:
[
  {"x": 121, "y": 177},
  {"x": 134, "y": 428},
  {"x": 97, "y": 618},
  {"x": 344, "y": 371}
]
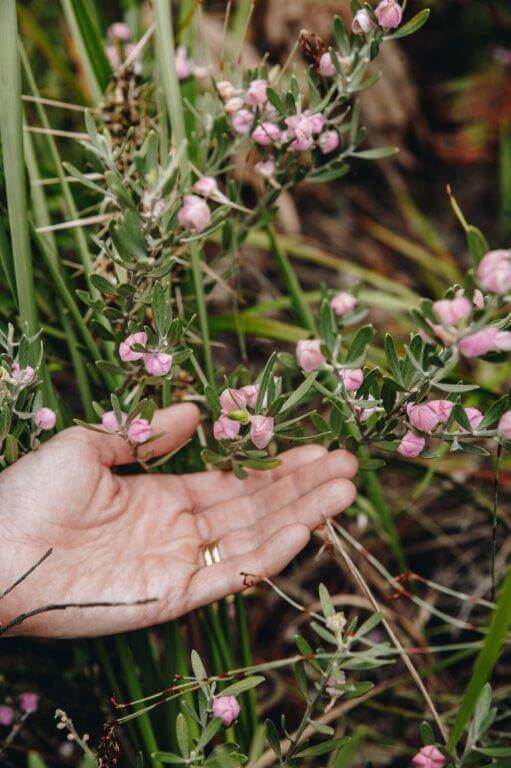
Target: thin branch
[{"x": 26, "y": 574}]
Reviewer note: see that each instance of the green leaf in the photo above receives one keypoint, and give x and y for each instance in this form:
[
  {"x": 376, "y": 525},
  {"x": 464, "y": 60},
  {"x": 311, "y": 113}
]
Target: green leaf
[
  {"x": 198, "y": 667},
  {"x": 265, "y": 380},
  {"x": 494, "y": 413},
  {"x": 359, "y": 343},
  {"x": 427, "y": 735},
  {"x": 392, "y": 358},
  {"x": 209, "y": 732},
  {"x": 477, "y": 244},
  {"x": 485, "y": 662},
  {"x": 324, "y": 748},
  {"x": 277, "y": 102},
  {"x": 327, "y": 605},
  {"x": 413, "y": 25},
  {"x": 243, "y": 685},
  {"x": 170, "y": 758},
  {"x": 461, "y": 417},
  {"x": 300, "y": 392},
  {"x": 455, "y": 387},
  {"x": 182, "y": 735},
  {"x": 495, "y": 751},
  {"x": 273, "y": 738},
  {"x": 375, "y": 154}
]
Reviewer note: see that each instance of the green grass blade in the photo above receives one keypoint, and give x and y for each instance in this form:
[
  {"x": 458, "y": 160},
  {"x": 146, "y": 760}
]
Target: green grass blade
[
  {"x": 6, "y": 261},
  {"x": 89, "y": 45},
  {"x": 505, "y": 178},
  {"x": 294, "y": 289},
  {"x": 11, "y": 132},
  {"x": 485, "y": 662}
]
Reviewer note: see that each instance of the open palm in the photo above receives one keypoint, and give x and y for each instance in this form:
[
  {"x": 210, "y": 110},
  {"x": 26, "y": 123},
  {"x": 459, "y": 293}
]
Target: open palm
[{"x": 127, "y": 538}]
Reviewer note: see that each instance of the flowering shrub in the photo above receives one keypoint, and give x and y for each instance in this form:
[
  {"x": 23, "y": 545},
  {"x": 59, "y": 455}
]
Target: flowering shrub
[{"x": 146, "y": 328}]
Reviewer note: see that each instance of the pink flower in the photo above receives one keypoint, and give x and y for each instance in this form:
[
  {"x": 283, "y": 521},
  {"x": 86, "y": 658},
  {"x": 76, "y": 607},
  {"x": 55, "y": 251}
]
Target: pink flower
[
  {"x": 126, "y": 353},
  {"x": 29, "y": 702},
  {"x": 195, "y": 214},
  {"x": 183, "y": 63},
  {"x": 110, "y": 422},
  {"x": 411, "y": 445},
  {"x": 261, "y": 430},
  {"x": 119, "y": 31},
  {"x": 226, "y": 89},
  {"x": 328, "y": 142},
  {"x": 233, "y": 400},
  {"x": 389, "y": 14},
  {"x": 19, "y": 376},
  {"x": 226, "y": 429},
  {"x": 317, "y": 122},
  {"x": 242, "y": 121},
  {"x": 6, "y": 715},
  {"x": 442, "y": 409},
  {"x": 422, "y": 417},
  {"x": 113, "y": 56},
  {"x": 139, "y": 431},
  {"x": 256, "y": 93},
  {"x": 326, "y": 66},
  {"x": 352, "y": 378},
  {"x": 45, "y": 418},
  {"x": 301, "y": 128},
  {"x": 494, "y": 271},
  {"x": 343, "y": 303},
  {"x": 489, "y": 339},
  {"x": 451, "y": 311},
  {"x": 504, "y": 426},
  {"x": 429, "y": 757},
  {"x": 266, "y": 134},
  {"x": 157, "y": 363},
  {"x": 362, "y": 23},
  {"x": 478, "y": 299},
  {"x": 235, "y": 104},
  {"x": 265, "y": 168},
  {"x": 226, "y": 708},
  {"x": 251, "y": 391},
  {"x": 309, "y": 354},
  {"x": 474, "y": 416},
  {"x": 206, "y": 186}
]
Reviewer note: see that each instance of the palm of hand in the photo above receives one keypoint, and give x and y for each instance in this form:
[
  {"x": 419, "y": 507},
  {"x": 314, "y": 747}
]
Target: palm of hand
[{"x": 127, "y": 538}]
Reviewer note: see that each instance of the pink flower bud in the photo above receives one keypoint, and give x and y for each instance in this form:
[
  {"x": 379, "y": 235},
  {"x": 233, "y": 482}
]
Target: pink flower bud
[
  {"x": 266, "y": 134},
  {"x": 226, "y": 89},
  {"x": 452, "y": 311},
  {"x": 195, "y": 214},
  {"x": 113, "y": 56},
  {"x": 45, "y": 418},
  {"x": 362, "y": 23},
  {"x": 265, "y": 168},
  {"x": 226, "y": 429},
  {"x": 429, "y": 757},
  {"x": 29, "y": 702},
  {"x": 110, "y": 422},
  {"x": 328, "y": 142},
  {"x": 411, "y": 445},
  {"x": 489, "y": 339},
  {"x": 494, "y": 271},
  {"x": 317, "y": 122},
  {"x": 442, "y": 409},
  {"x": 139, "y": 431},
  {"x": 422, "y": 417},
  {"x": 233, "y": 400},
  {"x": 474, "y": 416},
  {"x": 504, "y": 426},
  {"x": 119, "y": 31},
  {"x": 478, "y": 299},
  {"x": 242, "y": 121},
  {"x": 19, "y": 376},
  {"x": 343, "y": 303},
  {"x": 261, "y": 430},
  {"x": 352, "y": 378},
  {"x": 256, "y": 93},
  {"x": 251, "y": 391},
  {"x": 309, "y": 354},
  {"x": 300, "y": 127},
  {"x": 206, "y": 186},
  {"x": 126, "y": 353},
  {"x": 389, "y": 14},
  {"x": 6, "y": 715},
  {"x": 226, "y": 708},
  {"x": 157, "y": 363},
  {"x": 326, "y": 66},
  {"x": 235, "y": 105},
  {"x": 182, "y": 63}
]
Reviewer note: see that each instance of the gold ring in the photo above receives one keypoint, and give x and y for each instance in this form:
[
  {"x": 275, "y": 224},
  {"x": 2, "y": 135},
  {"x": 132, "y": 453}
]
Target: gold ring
[{"x": 211, "y": 554}]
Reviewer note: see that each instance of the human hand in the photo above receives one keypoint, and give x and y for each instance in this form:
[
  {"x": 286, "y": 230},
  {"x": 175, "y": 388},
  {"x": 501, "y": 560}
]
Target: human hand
[{"x": 128, "y": 538}]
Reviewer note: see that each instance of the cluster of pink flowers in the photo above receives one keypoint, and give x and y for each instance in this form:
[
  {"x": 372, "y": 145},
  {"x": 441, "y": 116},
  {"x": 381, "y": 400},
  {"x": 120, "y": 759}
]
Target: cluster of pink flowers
[
  {"x": 120, "y": 47},
  {"x": 426, "y": 417},
  {"x": 156, "y": 362},
  {"x": 186, "y": 67},
  {"x": 388, "y": 13},
  {"x": 28, "y": 703},
  {"x": 139, "y": 430},
  {"x": 195, "y": 214},
  {"x": 22, "y": 377},
  {"x": 234, "y": 404}
]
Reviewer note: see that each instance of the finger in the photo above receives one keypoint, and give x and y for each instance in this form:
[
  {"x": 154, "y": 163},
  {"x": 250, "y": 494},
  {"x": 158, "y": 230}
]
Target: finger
[
  {"x": 217, "y": 581},
  {"x": 244, "y": 512},
  {"x": 177, "y": 423},
  {"x": 311, "y": 510},
  {"x": 208, "y": 488}
]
